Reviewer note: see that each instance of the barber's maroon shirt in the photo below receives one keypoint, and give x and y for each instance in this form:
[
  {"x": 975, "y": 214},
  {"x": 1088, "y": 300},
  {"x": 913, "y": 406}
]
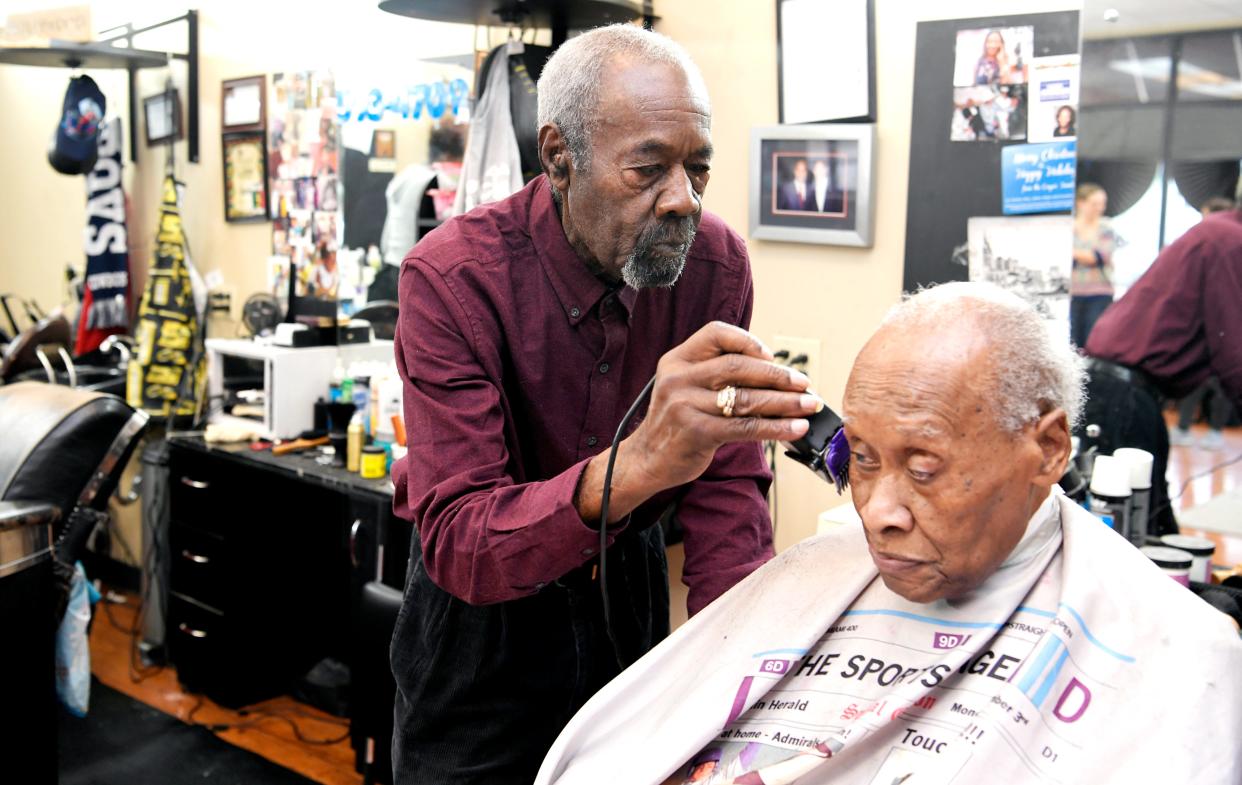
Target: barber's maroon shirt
[
  {"x": 1182, "y": 321},
  {"x": 518, "y": 366}
]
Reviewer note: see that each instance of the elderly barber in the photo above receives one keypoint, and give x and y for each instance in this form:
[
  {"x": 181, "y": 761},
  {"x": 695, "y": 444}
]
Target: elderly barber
[
  {"x": 977, "y": 627},
  {"x": 527, "y": 329}
]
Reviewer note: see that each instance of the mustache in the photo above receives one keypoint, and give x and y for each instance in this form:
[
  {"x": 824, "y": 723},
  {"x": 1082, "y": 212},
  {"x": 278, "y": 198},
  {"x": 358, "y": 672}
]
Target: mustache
[{"x": 671, "y": 231}]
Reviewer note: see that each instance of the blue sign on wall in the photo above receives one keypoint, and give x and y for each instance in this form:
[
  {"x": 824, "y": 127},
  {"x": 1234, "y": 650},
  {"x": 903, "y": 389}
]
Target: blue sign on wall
[{"x": 1038, "y": 178}]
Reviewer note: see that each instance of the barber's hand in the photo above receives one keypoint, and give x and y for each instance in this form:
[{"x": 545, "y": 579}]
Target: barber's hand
[{"x": 685, "y": 424}]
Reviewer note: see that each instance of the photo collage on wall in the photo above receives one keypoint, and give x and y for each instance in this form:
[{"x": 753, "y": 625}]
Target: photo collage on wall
[
  {"x": 1002, "y": 92},
  {"x": 304, "y": 165},
  {"x": 990, "y": 79}
]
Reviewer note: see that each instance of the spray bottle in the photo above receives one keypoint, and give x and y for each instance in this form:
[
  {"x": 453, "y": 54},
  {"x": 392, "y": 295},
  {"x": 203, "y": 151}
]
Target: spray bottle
[
  {"x": 1110, "y": 493},
  {"x": 1140, "y": 462}
]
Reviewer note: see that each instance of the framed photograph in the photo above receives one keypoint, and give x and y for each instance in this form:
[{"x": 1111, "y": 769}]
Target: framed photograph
[
  {"x": 245, "y": 177},
  {"x": 825, "y": 60},
  {"x": 383, "y": 143},
  {"x": 243, "y": 104},
  {"x": 813, "y": 184},
  {"x": 162, "y": 113}
]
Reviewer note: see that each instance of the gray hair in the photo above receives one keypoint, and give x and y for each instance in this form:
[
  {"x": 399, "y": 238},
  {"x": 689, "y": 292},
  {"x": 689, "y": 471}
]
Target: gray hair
[
  {"x": 569, "y": 85},
  {"x": 1034, "y": 370}
]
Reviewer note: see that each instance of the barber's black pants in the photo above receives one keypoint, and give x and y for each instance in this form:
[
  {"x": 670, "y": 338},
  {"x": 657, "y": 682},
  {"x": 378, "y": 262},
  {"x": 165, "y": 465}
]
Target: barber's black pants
[
  {"x": 1129, "y": 415},
  {"x": 483, "y": 691}
]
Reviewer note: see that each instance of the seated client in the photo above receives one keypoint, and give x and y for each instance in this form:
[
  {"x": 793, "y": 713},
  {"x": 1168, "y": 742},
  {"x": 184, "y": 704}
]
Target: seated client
[{"x": 978, "y": 626}]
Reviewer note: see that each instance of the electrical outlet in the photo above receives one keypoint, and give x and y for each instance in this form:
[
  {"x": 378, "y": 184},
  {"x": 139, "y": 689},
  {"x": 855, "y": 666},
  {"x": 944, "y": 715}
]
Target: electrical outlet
[{"x": 797, "y": 346}]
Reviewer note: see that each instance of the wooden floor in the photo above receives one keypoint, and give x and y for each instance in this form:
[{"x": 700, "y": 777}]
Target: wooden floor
[
  {"x": 265, "y": 729},
  {"x": 333, "y": 764}
]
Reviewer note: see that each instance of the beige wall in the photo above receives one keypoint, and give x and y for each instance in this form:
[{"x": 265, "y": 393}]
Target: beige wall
[{"x": 834, "y": 294}]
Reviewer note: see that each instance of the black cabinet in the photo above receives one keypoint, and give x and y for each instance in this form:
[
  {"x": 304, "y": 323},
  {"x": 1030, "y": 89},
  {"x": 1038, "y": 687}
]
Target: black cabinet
[{"x": 267, "y": 563}]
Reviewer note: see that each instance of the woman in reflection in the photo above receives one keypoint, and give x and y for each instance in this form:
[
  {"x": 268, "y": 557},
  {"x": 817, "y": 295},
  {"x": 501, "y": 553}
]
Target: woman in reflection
[
  {"x": 1091, "y": 283},
  {"x": 1066, "y": 118}
]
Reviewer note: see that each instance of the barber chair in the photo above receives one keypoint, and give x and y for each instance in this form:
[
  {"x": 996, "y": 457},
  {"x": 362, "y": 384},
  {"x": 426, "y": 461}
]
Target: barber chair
[
  {"x": 61, "y": 454},
  {"x": 30, "y": 348},
  {"x": 382, "y": 314},
  {"x": 373, "y": 685}
]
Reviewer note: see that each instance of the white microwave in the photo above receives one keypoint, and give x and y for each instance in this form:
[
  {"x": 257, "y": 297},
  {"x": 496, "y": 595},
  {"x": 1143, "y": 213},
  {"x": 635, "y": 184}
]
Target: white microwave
[{"x": 274, "y": 388}]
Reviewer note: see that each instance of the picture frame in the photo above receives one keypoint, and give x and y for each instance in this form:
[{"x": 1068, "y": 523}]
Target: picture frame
[
  {"x": 245, "y": 177},
  {"x": 162, "y": 117},
  {"x": 243, "y": 104},
  {"x": 813, "y": 183},
  {"x": 825, "y": 61}
]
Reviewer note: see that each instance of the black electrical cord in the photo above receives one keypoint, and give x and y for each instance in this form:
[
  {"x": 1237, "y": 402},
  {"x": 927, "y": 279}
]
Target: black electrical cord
[{"x": 603, "y": 520}]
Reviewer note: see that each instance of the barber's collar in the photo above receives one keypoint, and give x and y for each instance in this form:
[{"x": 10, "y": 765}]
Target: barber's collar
[{"x": 577, "y": 288}]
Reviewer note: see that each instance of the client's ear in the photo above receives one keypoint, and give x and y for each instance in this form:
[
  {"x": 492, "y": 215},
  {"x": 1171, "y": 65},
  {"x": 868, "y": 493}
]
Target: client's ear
[
  {"x": 554, "y": 156},
  {"x": 1052, "y": 434}
]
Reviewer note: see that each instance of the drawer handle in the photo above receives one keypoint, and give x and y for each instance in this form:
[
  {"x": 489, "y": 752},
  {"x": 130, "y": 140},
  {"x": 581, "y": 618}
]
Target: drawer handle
[
  {"x": 196, "y": 484},
  {"x": 193, "y": 633},
  {"x": 353, "y": 542},
  {"x": 194, "y": 557}
]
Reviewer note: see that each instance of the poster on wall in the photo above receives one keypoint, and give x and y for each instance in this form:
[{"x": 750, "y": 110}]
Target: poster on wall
[
  {"x": 1029, "y": 256},
  {"x": 1053, "y": 104},
  {"x": 1038, "y": 178},
  {"x": 304, "y": 166}
]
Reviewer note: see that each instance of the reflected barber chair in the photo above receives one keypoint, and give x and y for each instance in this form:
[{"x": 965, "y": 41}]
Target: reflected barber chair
[
  {"x": 382, "y": 314},
  {"x": 61, "y": 454},
  {"x": 373, "y": 685},
  {"x": 40, "y": 352}
]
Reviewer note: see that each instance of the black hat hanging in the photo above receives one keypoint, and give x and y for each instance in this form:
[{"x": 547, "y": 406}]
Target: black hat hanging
[{"x": 75, "y": 145}]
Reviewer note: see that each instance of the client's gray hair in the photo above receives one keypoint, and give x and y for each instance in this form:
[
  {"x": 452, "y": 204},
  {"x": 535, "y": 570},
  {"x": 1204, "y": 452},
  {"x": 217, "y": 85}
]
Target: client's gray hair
[
  {"x": 569, "y": 85},
  {"x": 1035, "y": 370}
]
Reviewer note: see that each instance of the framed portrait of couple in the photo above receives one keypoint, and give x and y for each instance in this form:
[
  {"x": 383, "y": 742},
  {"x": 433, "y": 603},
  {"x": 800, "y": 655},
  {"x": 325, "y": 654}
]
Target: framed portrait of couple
[{"x": 812, "y": 183}]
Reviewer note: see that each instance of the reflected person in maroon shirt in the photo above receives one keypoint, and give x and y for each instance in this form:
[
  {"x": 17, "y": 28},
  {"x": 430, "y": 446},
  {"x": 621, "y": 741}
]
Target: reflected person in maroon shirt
[
  {"x": 527, "y": 329},
  {"x": 1180, "y": 323}
]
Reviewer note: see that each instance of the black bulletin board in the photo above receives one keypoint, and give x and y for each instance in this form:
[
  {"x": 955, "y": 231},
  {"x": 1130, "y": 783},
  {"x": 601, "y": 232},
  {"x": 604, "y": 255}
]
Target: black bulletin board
[{"x": 951, "y": 182}]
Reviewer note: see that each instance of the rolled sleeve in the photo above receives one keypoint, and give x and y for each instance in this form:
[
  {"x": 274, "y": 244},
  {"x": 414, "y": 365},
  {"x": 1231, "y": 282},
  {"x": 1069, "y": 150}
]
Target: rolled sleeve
[{"x": 484, "y": 537}]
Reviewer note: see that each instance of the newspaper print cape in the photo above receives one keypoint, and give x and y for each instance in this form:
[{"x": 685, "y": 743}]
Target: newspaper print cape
[{"x": 1077, "y": 661}]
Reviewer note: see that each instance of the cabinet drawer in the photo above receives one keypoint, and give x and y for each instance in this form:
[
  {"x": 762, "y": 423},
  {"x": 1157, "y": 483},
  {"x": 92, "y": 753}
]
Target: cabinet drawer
[
  {"x": 196, "y": 640},
  {"x": 199, "y": 568},
  {"x": 200, "y": 493}
]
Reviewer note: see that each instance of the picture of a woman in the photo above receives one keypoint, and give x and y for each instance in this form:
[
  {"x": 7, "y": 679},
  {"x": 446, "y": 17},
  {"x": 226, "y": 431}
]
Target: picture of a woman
[
  {"x": 994, "y": 62},
  {"x": 1066, "y": 120},
  {"x": 1091, "y": 282}
]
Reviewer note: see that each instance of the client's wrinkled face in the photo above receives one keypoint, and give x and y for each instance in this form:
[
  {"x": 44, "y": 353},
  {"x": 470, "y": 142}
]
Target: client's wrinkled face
[{"x": 943, "y": 491}]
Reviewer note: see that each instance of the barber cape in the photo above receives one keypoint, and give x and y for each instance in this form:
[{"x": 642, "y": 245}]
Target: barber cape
[{"x": 1077, "y": 661}]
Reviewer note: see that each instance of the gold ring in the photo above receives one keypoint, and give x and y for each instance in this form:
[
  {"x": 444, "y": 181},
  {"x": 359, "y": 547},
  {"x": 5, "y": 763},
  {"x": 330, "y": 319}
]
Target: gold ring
[{"x": 725, "y": 400}]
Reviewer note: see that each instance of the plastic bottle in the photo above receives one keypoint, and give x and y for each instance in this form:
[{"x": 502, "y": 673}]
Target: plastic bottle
[
  {"x": 362, "y": 400},
  {"x": 338, "y": 377},
  {"x": 1110, "y": 493},
  {"x": 1140, "y": 462},
  {"x": 354, "y": 438}
]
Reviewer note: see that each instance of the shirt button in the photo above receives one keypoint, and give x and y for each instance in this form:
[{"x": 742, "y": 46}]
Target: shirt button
[
  {"x": 592, "y": 441},
  {"x": 603, "y": 367},
  {"x": 588, "y": 551},
  {"x": 574, "y": 313}
]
